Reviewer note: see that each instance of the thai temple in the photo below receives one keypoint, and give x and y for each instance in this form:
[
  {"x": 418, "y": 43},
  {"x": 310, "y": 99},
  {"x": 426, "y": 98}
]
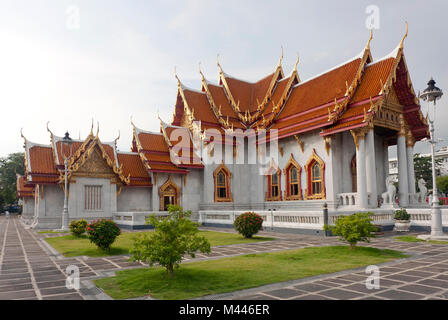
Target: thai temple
[{"x": 330, "y": 135}]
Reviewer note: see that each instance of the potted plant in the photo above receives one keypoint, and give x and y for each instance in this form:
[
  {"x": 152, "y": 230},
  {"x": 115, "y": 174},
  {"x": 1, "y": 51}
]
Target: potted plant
[{"x": 402, "y": 220}]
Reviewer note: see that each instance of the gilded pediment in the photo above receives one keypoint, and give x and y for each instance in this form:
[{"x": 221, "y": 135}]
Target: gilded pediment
[{"x": 95, "y": 166}]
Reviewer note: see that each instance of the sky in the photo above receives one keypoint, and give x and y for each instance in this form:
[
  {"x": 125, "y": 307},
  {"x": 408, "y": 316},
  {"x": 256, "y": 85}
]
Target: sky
[{"x": 67, "y": 62}]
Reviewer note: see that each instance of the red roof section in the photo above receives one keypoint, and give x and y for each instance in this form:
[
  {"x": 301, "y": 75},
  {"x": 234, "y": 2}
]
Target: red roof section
[{"x": 22, "y": 190}]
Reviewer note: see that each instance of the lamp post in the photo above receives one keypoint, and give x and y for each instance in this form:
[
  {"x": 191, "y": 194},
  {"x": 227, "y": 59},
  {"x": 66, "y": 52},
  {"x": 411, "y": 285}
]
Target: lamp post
[
  {"x": 66, "y": 142},
  {"x": 432, "y": 94}
]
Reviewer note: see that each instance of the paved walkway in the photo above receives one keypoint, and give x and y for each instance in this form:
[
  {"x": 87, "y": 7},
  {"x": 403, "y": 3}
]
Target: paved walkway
[
  {"x": 26, "y": 270},
  {"x": 30, "y": 269}
]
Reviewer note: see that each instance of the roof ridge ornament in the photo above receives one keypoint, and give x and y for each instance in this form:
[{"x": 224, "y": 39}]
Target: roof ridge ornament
[
  {"x": 21, "y": 134},
  {"x": 370, "y": 39},
  {"x": 404, "y": 37},
  {"x": 91, "y": 128},
  {"x": 297, "y": 62},
  {"x": 115, "y": 141},
  {"x": 48, "y": 129},
  {"x": 281, "y": 59}
]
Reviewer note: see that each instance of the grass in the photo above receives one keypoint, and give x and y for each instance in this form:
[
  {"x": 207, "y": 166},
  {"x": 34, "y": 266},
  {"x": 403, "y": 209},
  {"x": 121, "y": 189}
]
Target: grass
[
  {"x": 71, "y": 246},
  {"x": 415, "y": 239},
  {"x": 202, "y": 278},
  {"x": 52, "y": 231}
]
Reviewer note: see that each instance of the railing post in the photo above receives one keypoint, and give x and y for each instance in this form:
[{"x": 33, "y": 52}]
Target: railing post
[{"x": 325, "y": 211}]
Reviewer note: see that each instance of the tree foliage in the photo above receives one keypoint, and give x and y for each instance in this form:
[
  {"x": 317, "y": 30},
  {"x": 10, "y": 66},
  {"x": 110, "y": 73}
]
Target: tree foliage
[
  {"x": 442, "y": 184},
  {"x": 353, "y": 228},
  {"x": 9, "y": 166},
  {"x": 173, "y": 237},
  {"x": 423, "y": 169}
]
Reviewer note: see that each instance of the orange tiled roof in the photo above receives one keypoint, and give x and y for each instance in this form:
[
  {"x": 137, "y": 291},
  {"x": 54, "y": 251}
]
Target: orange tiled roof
[
  {"x": 200, "y": 106},
  {"x": 41, "y": 160},
  {"x": 249, "y": 93},
  {"x": 22, "y": 190},
  {"x": 132, "y": 166},
  {"x": 152, "y": 141}
]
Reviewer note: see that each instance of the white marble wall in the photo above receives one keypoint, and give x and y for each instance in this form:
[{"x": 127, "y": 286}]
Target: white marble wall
[{"x": 134, "y": 199}]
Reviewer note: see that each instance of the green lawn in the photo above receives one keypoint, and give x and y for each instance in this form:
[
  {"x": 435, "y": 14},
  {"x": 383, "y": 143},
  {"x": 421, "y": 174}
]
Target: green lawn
[
  {"x": 52, "y": 231},
  {"x": 415, "y": 239},
  {"x": 71, "y": 246},
  {"x": 202, "y": 278}
]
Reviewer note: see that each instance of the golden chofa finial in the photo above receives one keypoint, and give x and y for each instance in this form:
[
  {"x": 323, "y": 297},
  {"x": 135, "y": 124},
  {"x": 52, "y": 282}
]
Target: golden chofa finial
[
  {"x": 281, "y": 58},
  {"x": 115, "y": 141},
  {"x": 179, "y": 84},
  {"x": 21, "y": 134},
  {"x": 91, "y": 128},
  {"x": 132, "y": 123},
  {"x": 218, "y": 64},
  {"x": 48, "y": 128},
  {"x": 200, "y": 72},
  {"x": 370, "y": 39},
  {"x": 404, "y": 37},
  {"x": 297, "y": 63},
  {"x": 97, "y": 129}
]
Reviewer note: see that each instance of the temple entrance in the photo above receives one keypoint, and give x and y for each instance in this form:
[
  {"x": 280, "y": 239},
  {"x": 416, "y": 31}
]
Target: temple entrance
[
  {"x": 167, "y": 200},
  {"x": 169, "y": 194}
]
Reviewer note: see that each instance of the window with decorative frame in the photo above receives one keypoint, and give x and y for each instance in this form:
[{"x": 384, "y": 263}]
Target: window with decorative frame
[
  {"x": 222, "y": 176},
  {"x": 93, "y": 198},
  {"x": 273, "y": 176},
  {"x": 315, "y": 169},
  {"x": 293, "y": 173}
]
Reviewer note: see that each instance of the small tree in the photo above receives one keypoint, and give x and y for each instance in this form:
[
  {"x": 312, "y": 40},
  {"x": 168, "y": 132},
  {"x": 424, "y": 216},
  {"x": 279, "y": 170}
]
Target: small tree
[
  {"x": 173, "y": 237},
  {"x": 353, "y": 228}
]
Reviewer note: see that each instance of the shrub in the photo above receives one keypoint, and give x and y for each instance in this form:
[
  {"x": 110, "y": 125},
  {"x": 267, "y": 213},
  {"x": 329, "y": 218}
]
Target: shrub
[
  {"x": 78, "y": 227},
  {"x": 103, "y": 233},
  {"x": 173, "y": 236},
  {"x": 402, "y": 214},
  {"x": 248, "y": 224},
  {"x": 354, "y": 228}
]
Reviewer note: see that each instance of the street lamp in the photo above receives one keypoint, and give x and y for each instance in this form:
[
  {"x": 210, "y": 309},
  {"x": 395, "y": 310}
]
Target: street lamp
[
  {"x": 432, "y": 94},
  {"x": 67, "y": 143}
]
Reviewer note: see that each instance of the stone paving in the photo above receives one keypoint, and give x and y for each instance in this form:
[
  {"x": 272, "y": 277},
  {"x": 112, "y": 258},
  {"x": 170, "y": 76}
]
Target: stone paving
[
  {"x": 31, "y": 269},
  {"x": 27, "y": 272}
]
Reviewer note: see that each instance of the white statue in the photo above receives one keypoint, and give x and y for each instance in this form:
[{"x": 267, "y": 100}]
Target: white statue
[
  {"x": 423, "y": 191},
  {"x": 389, "y": 195}
]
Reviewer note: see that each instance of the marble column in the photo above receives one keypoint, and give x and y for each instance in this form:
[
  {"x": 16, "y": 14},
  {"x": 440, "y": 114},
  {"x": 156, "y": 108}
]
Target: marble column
[
  {"x": 371, "y": 169},
  {"x": 385, "y": 164},
  {"x": 361, "y": 172},
  {"x": 411, "y": 172},
  {"x": 403, "y": 185}
]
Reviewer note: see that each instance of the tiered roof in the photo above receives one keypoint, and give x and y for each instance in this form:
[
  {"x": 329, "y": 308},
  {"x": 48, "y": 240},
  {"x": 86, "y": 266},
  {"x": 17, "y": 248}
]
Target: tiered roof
[
  {"x": 336, "y": 100},
  {"x": 44, "y": 164}
]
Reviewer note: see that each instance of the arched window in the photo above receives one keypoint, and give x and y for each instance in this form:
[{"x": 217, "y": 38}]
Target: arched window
[
  {"x": 293, "y": 174},
  {"x": 168, "y": 194},
  {"x": 222, "y": 177},
  {"x": 273, "y": 176},
  {"x": 315, "y": 169}
]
